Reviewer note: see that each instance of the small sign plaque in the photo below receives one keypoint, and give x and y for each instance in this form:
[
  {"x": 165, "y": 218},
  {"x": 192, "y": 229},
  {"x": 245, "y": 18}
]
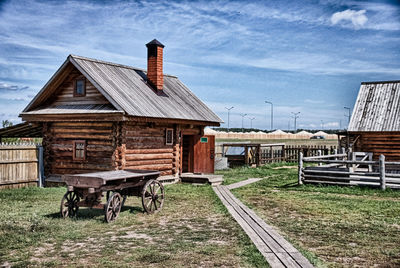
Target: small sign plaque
[{"x": 203, "y": 139}]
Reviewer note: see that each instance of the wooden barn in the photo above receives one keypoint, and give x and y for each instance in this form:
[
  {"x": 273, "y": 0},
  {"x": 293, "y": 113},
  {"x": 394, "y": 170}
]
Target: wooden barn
[
  {"x": 375, "y": 122},
  {"x": 97, "y": 115}
]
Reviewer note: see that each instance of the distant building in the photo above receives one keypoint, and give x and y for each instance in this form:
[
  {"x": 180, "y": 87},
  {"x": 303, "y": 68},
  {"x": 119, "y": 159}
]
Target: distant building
[{"x": 375, "y": 122}]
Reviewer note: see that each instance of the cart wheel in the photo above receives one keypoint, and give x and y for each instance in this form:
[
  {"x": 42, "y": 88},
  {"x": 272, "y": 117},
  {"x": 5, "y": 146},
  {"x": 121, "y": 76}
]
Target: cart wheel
[
  {"x": 152, "y": 196},
  {"x": 123, "y": 197},
  {"x": 69, "y": 205},
  {"x": 113, "y": 207}
]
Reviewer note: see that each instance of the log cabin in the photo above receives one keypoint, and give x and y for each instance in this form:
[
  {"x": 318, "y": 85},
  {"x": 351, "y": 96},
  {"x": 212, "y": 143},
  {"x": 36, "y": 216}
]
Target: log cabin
[
  {"x": 97, "y": 115},
  {"x": 375, "y": 122}
]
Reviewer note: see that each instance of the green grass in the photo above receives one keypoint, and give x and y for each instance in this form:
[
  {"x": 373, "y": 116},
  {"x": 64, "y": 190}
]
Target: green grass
[
  {"x": 332, "y": 226},
  {"x": 193, "y": 229}
]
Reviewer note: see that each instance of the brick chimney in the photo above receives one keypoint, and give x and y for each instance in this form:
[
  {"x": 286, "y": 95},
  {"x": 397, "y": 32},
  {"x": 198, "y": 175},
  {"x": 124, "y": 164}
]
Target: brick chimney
[{"x": 155, "y": 64}]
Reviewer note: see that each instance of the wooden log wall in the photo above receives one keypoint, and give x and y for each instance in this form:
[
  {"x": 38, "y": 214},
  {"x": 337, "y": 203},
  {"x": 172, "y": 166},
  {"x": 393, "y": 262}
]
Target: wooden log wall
[
  {"x": 18, "y": 166},
  {"x": 145, "y": 148},
  {"x": 386, "y": 143},
  {"x": 100, "y": 147},
  {"x": 111, "y": 146},
  {"x": 65, "y": 92}
]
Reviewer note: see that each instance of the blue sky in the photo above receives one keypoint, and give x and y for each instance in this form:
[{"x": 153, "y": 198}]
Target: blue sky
[{"x": 304, "y": 56}]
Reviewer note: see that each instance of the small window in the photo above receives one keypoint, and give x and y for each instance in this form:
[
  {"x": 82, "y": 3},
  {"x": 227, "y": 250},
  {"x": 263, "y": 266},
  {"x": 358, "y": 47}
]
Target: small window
[
  {"x": 79, "y": 150},
  {"x": 79, "y": 88},
  {"x": 169, "y": 136}
]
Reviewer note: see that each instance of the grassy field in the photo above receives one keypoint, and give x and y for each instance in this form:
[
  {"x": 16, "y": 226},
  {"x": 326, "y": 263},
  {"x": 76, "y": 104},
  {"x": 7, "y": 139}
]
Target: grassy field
[
  {"x": 192, "y": 230},
  {"x": 287, "y": 141},
  {"x": 333, "y": 226}
]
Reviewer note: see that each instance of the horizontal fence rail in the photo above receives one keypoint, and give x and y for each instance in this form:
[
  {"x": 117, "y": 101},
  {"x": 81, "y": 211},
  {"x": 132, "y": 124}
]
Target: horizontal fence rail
[
  {"x": 21, "y": 164},
  {"x": 261, "y": 154},
  {"x": 352, "y": 169}
]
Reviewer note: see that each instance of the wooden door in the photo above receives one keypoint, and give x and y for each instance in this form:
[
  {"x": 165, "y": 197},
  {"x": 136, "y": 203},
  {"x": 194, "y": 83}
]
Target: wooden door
[
  {"x": 204, "y": 153},
  {"x": 187, "y": 155}
]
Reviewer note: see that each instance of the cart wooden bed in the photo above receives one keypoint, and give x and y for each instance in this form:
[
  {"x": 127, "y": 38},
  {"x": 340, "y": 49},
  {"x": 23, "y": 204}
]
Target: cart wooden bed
[{"x": 87, "y": 190}]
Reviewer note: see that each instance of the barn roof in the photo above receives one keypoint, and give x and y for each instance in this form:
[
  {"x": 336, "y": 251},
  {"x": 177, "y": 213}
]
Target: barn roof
[
  {"x": 377, "y": 107},
  {"x": 126, "y": 88},
  {"x": 22, "y": 130}
]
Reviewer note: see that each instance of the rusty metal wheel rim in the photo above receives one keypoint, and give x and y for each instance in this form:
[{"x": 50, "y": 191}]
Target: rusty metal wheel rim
[
  {"x": 153, "y": 196},
  {"x": 69, "y": 205},
  {"x": 113, "y": 207}
]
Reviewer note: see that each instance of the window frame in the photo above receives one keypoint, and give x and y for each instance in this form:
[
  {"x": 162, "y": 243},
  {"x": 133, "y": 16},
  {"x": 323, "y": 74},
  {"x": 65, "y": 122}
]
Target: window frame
[
  {"x": 74, "y": 150},
  {"x": 166, "y": 136},
  {"x": 76, "y": 87}
]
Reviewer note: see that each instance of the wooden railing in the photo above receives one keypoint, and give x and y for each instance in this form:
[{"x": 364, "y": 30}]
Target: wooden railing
[
  {"x": 20, "y": 165},
  {"x": 349, "y": 169},
  {"x": 260, "y": 154},
  {"x": 292, "y": 151}
]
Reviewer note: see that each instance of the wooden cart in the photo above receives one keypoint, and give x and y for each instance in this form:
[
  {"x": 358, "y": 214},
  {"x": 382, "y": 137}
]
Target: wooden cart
[{"x": 87, "y": 190}]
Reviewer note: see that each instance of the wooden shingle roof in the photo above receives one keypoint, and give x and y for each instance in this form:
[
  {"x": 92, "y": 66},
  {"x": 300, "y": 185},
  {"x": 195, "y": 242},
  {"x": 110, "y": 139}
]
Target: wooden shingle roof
[
  {"x": 127, "y": 90},
  {"x": 377, "y": 107}
]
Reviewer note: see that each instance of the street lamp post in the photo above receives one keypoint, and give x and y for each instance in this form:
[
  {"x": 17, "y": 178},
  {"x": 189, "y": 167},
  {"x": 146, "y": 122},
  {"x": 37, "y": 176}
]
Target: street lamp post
[
  {"x": 347, "y": 108},
  {"x": 295, "y": 116},
  {"x": 251, "y": 121},
  {"x": 229, "y": 110},
  {"x": 272, "y": 114},
  {"x": 243, "y": 115}
]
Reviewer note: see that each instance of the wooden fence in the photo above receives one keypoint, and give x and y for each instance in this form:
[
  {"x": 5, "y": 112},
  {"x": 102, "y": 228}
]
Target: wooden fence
[
  {"x": 292, "y": 151},
  {"x": 20, "y": 165},
  {"x": 350, "y": 169},
  {"x": 260, "y": 154}
]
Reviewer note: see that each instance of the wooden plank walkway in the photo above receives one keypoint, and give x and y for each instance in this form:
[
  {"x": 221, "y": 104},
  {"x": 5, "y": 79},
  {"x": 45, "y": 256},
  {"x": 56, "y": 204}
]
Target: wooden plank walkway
[
  {"x": 242, "y": 183},
  {"x": 276, "y": 250}
]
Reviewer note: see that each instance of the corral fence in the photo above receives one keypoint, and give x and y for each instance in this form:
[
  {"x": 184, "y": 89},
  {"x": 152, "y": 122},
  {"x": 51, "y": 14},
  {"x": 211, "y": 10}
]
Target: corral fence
[
  {"x": 353, "y": 168},
  {"x": 21, "y": 165},
  {"x": 261, "y": 154},
  {"x": 292, "y": 151}
]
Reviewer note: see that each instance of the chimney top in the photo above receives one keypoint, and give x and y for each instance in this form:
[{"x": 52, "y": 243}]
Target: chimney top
[
  {"x": 154, "y": 42},
  {"x": 155, "y": 75}
]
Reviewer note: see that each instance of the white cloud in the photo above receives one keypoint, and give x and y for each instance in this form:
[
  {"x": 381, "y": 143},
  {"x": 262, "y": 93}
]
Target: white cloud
[
  {"x": 15, "y": 93},
  {"x": 6, "y": 87},
  {"x": 357, "y": 18},
  {"x": 331, "y": 125},
  {"x": 314, "y": 101},
  {"x": 307, "y": 62}
]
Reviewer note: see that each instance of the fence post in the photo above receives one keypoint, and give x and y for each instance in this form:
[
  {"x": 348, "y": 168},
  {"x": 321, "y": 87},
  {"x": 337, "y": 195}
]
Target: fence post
[
  {"x": 319, "y": 152},
  {"x": 246, "y": 155},
  {"x": 353, "y": 158},
  {"x": 40, "y": 166},
  {"x": 350, "y": 158},
  {"x": 369, "y": 159},
  {"x": 335, "y": 153},
  {"x": 300, "y": 168},
  {"x": 382, "y": 172}
]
